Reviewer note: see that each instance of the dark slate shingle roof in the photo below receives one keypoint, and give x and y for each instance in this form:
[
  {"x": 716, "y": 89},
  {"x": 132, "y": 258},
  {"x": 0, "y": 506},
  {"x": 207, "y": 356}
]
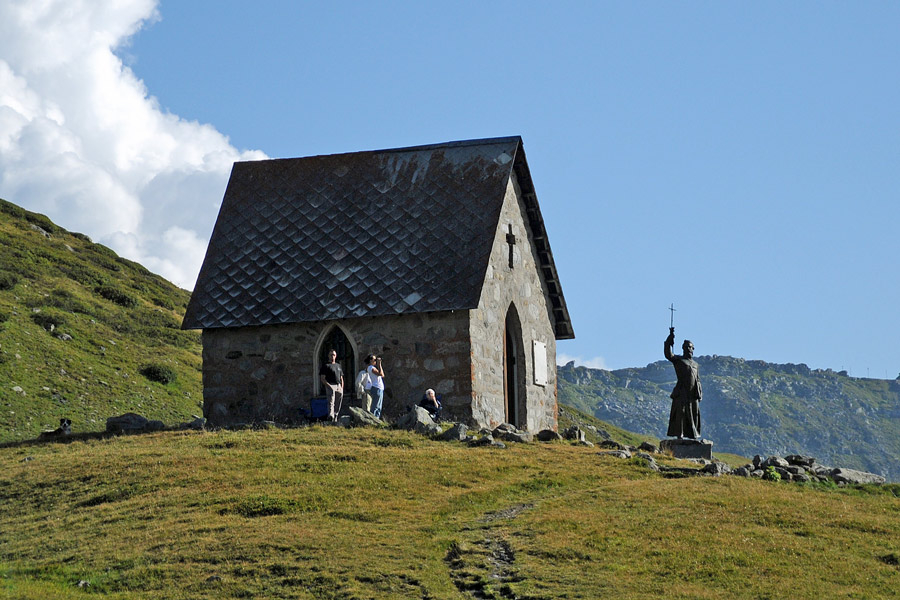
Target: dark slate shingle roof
[{"x": 360, "y": 234}]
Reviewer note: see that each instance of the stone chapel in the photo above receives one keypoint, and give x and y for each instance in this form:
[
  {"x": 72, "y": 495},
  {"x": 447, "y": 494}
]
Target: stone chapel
[{"x": 434, "y": 257}]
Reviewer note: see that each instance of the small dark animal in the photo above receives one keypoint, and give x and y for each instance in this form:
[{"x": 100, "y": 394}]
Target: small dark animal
[{"x": 64, "y": 429}]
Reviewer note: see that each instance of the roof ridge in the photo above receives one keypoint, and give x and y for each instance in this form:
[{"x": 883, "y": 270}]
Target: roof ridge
[{"x": 452, "y": 144}]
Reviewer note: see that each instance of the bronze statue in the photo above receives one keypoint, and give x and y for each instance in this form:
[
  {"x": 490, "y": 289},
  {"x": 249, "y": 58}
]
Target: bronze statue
[{"x": 684, "y": 419}]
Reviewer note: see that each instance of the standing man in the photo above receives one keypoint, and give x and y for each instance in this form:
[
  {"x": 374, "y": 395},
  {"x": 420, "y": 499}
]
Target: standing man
[
  {"x": 376, "y": 383},
  {"x": 333, "y": 381},
  {"x": 684, "y": 418}
]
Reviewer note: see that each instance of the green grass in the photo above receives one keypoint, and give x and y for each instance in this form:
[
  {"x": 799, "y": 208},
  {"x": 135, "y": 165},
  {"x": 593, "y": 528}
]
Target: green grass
[
  {"x": 121, "y": 318},
  {"x": 324, "y": 512},
  {"x": 329, "y": 513}
]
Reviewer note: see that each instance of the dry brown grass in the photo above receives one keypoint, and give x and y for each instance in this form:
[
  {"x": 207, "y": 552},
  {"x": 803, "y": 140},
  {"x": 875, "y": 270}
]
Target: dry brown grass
[{"x": 332, "y": 513}]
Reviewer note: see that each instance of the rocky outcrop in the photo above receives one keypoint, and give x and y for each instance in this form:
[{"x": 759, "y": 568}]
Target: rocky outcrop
[
  {"x": 803, "y": 469},
  {"x": 846, "y": 476}
]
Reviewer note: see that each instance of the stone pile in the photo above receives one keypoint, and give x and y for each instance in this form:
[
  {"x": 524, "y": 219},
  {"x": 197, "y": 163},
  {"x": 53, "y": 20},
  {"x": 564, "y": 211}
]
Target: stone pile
[{"x": 804, "y": 469}]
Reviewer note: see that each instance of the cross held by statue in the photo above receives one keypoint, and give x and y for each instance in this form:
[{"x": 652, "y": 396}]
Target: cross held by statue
[{"x": 672, "y": 309}]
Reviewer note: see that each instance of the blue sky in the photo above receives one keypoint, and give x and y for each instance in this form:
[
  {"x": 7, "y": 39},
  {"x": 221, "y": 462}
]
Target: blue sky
[{"x": 739, "y": 160}]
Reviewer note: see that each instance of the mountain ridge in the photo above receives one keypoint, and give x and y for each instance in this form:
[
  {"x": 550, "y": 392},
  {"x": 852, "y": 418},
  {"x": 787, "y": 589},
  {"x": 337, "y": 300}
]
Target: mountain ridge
[{"x": 755, "y": 407}]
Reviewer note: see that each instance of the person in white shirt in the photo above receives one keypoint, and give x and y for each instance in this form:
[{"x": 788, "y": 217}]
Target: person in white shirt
[{"x": 375, "y": 387}]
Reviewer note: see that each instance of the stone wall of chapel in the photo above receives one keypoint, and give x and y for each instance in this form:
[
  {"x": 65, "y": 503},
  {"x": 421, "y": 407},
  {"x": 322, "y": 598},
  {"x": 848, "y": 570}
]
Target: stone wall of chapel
[
  {"x": 522, "y": 285},
  {"x": 268, "y": 373}
]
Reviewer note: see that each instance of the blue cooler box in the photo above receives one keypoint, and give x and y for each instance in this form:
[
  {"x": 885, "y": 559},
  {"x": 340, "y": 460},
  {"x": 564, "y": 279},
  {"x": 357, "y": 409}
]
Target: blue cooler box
[{"x": 318, "y": 408}]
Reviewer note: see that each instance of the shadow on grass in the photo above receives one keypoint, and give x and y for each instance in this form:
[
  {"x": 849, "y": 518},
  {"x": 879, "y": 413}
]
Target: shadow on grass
[{"x": 82, "y": 437}]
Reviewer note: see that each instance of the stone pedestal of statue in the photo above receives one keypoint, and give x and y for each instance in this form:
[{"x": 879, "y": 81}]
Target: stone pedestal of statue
[{"x": 687, "y": 448}]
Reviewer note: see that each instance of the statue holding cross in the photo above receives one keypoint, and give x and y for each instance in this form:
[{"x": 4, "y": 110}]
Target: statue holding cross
[{"x": 684, "y": 418}]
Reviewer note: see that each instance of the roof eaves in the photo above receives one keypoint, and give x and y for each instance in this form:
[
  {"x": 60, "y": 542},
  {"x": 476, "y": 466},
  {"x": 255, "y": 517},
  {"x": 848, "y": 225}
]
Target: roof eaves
[{"x": 562, "y": 322}]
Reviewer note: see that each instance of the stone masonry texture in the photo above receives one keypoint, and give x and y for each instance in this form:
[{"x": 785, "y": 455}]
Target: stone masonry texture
[{"x": 270, "y": 372}]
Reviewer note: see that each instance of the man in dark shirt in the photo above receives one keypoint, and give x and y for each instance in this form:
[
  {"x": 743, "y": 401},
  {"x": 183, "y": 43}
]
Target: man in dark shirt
[{"x": 333, "y": 381}]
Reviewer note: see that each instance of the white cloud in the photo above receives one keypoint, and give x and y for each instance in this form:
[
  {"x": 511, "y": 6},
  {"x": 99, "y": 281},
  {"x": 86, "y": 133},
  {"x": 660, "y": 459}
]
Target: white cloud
[
  {"x": 598, "y": 362},
  {"x": 82, "y": 141}
]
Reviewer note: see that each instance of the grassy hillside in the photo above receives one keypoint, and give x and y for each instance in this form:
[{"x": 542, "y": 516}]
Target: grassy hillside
[
  {"x": 78, "y": 326},
  {"x": 324, "y": 512}
]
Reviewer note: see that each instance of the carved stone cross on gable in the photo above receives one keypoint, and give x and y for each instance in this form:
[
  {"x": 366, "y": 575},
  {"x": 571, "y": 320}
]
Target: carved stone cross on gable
[{"x": 511, "y": 240}]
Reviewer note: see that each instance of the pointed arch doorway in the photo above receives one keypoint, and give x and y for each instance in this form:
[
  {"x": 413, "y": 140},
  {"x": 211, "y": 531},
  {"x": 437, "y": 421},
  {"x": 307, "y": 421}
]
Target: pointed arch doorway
[
  {"x": 336, "y": 339},
  {"x": 514, "y": 370}
]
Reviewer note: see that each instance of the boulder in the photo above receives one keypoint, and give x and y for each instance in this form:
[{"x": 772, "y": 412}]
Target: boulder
[
  {"x": 417, "y": 420},
  {"x": 613, "y": 445},
  {"x": 154, "y": 426},
  {"x": 360, "y": 417},
  {"x": 821, "y": 470},
  {"x": 775, "y": 461},
  {"x": 758, "y": 473},
  {"x": 548, "y": 435},
  {"x": 757, "y": 462},
  {"x": 742, "y": 471},
  {"x": 648, "y": 447},
  {"x": 785, "y": 474},
  {"x": 651, "y": 462},
  {"x": 852, "y": 476},
  {"x": 716, "y": 469},
  {"x": 616, "y": 453},
  {"x": 521, "y": 437},
  {"x": 126, "y": 422},
  {"x": 800, "y": 461},
  {"x": 457, "y": 433},
  {"x": 574, "y": 433},
  {"x": 44, "y": 233},
  {"x": 584, "y": 443},
  {"x": 485, "y": 440},
  {"x": 504, "y": 428},
  {"x": 198, "y": 423}
]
